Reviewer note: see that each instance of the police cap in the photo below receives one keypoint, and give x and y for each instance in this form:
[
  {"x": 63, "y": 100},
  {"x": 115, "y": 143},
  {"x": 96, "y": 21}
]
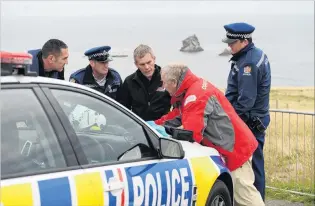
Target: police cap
[
  {"x": 99, "y": 54},
  {"x": 237, "y": 31}
]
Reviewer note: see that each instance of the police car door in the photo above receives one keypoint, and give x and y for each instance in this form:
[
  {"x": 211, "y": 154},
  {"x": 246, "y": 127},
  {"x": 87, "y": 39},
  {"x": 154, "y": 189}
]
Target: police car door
[
  {"x": 120, "y": 156},
  {"x": 37, "y": 160}
]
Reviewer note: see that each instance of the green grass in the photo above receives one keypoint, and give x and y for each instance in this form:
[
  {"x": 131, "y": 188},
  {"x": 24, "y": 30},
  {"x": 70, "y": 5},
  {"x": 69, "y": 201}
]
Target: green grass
[
  {"x": 290, "y": 144},
  {"x": 292, "y": 98},
  {"x": 272, "y": 194}
]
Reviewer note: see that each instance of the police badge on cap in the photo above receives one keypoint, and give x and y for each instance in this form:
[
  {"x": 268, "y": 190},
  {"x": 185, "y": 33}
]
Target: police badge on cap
[
  {"x": 99, "y": 54},
  {"x": 237, "y": 31}
]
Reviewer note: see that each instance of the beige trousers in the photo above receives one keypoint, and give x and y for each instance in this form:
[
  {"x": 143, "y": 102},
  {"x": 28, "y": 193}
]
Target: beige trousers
[{"x": 245, "y": 193}]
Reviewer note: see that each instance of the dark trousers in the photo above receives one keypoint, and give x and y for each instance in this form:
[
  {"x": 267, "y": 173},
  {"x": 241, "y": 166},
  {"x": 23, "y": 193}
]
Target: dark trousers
[{"x": 258, "y": 159}]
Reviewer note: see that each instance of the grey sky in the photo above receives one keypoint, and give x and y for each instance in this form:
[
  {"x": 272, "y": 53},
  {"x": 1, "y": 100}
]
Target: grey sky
[{"x": 101, "y": 8}]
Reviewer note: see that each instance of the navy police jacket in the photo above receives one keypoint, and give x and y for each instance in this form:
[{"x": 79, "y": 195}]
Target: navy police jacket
[
  {"x": 249, "y": 83},
  {"x": 38, "y": 66},
  {"x": 85, "y": 77}
]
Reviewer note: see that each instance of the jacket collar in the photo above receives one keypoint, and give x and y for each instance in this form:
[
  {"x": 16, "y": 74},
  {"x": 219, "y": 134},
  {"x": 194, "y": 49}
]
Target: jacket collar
[
  {"x": 139, "y": 76},
  {"x": 88, "y": 76},
  {"x": 41, "y": 70},
  {"x": 243, "y": 51}
]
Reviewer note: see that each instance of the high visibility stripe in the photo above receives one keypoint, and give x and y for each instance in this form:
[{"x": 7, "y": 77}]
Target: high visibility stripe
[
  {"x": 55, "y": 192},
  {"x": 89, "y": 189},
  {"x": 205, "y": 173},
  {"x": 20, "y": 194}
]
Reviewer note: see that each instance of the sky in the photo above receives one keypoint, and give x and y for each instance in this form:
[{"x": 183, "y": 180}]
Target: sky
[{"x": 101, "y": 8}]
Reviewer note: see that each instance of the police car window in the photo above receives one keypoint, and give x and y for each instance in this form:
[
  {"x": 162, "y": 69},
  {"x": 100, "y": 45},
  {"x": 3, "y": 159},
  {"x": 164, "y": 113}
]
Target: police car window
[
  {"x": 105, "y": 133},
  {"x": 28, "y": 142}
]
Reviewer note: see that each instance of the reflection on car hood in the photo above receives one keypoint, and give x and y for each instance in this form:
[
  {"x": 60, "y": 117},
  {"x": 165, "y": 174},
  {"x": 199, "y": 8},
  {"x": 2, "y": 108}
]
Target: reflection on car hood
[{"x": 197, "y": 150}]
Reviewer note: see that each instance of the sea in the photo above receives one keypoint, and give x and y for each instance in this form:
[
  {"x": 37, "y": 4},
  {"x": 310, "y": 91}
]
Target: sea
[{"x": 286, "y": 38}]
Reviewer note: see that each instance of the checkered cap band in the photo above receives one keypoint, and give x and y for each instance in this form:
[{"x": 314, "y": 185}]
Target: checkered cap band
[
  {"x": 236, "y": 36},
  {"x": 102, "y": 54}
]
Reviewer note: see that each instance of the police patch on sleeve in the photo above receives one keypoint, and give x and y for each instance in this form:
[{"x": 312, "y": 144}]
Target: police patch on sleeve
[
  {"x": 190, "y": 98},
  {"x": 72, "y": 80},
  {"x": 247, "y": 71}
]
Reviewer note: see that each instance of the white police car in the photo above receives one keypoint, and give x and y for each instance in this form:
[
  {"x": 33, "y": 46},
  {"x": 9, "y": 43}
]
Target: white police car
[{"x": 66, "y": 144}]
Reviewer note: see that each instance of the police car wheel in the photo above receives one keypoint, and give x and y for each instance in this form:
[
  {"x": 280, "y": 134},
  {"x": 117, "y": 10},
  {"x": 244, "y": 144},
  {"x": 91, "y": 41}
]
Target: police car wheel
[{"x": 219, "y": 195}]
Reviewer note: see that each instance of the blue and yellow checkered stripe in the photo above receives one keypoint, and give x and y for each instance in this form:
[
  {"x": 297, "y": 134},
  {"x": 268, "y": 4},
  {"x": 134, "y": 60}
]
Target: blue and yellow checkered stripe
[
  {"x": 88, "y": 191},
  {"x": 87, "y": 188}
]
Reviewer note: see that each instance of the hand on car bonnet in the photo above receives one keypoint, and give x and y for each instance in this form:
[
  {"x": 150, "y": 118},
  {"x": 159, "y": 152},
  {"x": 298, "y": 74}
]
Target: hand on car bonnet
[{"x": 160, "y": 129}]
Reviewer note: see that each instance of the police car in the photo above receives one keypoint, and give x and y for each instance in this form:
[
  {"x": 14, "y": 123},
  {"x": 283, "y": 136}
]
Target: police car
[{"x": 65, "y": 144}]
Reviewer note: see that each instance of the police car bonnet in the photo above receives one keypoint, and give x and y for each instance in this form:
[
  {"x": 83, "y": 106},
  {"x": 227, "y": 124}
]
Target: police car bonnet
[
  {"x": 237, "y": 31},
  {"x": 99, "y": 54}
]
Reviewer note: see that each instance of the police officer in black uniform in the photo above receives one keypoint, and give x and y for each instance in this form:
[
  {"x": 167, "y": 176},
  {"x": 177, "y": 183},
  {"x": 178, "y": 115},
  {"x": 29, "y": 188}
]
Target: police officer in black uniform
[
  {"x": 97, "y": 74},
  {"x": 248, "y": 89}
]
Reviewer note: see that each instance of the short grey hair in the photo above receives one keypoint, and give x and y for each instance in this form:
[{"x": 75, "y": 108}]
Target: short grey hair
[
  {"x": 141, "y": 51},
  {"x": 174, "y": 72}
]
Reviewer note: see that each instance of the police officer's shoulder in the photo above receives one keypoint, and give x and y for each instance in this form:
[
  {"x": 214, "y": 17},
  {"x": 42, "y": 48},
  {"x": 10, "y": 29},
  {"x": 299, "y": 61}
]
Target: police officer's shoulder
[
  {"x": 115, "y": 73},
  {"x": 253, "y": 56},
  {"x": 72, "y": 79},
  {"x": 76, "y": 74},
  {"x": 33, "y": 51}
]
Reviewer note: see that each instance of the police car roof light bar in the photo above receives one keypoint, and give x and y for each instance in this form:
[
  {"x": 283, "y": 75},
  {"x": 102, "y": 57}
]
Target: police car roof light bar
[{"x": 16, "y": 64}]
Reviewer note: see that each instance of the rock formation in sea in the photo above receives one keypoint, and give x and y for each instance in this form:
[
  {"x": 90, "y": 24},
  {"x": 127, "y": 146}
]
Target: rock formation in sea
[
  {"x": 225, "y": 52},
  {"x": 191, "y": 44}
]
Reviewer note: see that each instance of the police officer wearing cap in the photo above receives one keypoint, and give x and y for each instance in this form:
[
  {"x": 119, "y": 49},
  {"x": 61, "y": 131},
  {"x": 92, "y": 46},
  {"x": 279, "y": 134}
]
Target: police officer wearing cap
[
  {"x": 248, "y": 89},
  {"x": 97, "y": 74}
]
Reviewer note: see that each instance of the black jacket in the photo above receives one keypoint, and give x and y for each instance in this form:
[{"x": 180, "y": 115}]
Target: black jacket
[{"x": 148, "y": 99}]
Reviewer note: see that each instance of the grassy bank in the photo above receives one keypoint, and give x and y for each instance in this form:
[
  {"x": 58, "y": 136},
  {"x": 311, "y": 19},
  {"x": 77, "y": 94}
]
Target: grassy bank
[
  {"x": 272, "y": 194},
  {"x": 290, "y": 144},
  {"x": 292, "y": 98}
]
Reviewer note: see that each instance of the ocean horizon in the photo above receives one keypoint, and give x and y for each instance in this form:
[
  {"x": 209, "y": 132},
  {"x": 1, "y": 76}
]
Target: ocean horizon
[{"x": 286, "y": 38}]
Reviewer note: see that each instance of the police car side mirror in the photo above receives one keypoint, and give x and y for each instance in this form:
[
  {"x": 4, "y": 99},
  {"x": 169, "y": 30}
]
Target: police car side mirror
[{"x": 170, "y": 148}]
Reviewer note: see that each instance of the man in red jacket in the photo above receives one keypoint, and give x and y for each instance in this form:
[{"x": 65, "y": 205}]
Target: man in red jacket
[{"x": 202, "y": 108}]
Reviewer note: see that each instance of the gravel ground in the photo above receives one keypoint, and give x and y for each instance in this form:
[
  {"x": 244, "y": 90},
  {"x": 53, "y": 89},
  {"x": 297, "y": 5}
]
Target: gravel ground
[{"x": 282, "y": 203}]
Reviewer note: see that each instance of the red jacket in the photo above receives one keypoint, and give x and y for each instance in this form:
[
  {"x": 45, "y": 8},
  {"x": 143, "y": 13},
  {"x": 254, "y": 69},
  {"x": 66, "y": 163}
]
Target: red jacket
[{"x": 204, "y": 109}]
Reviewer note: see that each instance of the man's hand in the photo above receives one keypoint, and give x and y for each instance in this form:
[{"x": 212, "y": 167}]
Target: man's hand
[{"x": 160, "y": 129}]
